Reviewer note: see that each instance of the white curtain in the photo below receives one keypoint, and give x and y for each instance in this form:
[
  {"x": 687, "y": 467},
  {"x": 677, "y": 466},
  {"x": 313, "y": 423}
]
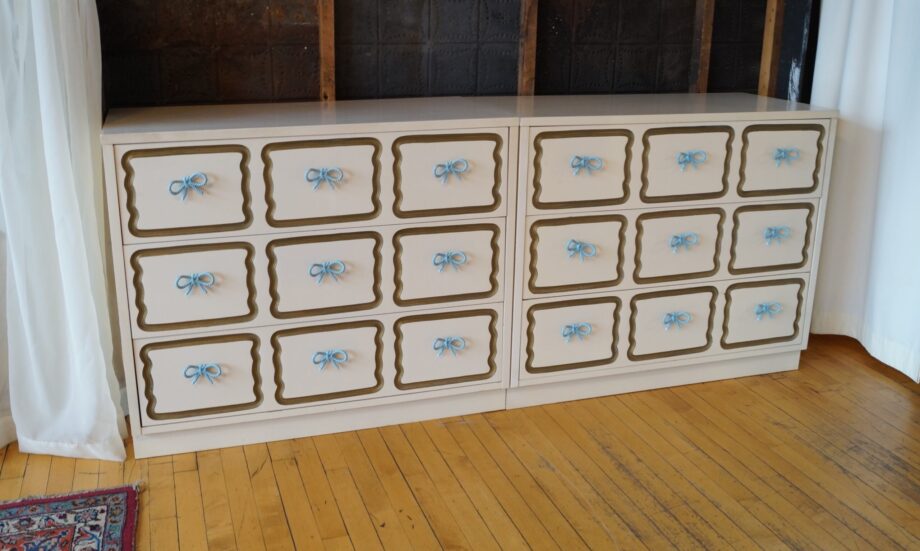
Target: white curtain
[
  {"x": 59, "y": 346},
  {"x": 868, "y": 67}
]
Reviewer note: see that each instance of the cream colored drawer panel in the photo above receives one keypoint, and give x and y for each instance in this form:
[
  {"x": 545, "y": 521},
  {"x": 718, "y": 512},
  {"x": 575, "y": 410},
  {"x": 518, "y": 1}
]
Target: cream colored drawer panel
[
  {"x": 446, "y": 348},
  {"x": 186, "y": 190},
  {"x": 571, "y": 334},
  {"x": 671, "y": 323},
  {"x": 779, "y": 159},
  {"x": 446, "y": 263},
  {"x": 447, "y": 174},
  {"x": 322, "y": 181},
  {"x": 685, "y": 163},
  {"x": 763, "y": 312},
  {"x": 324, "y": 274},
  {"x": 577, "y": 253},
  {"x": 679, "y": 244},
  {"x": 199, "y": 377},
  {"x": 581, "y": 168},
  {"x": 328, "y": 362},
  {"x": 194, "y": 285},
  {"x": 771, "y": 237}
]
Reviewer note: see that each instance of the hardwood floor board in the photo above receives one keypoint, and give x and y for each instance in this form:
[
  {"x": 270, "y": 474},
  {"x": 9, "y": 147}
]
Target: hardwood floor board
[
  {"x": 243, "y": 509},
  {"x": 35, "y": 477},
  {"x": 297, "y": 510},
  {"x": 14, "y": 462},
  {"x": 329, "y": 521},
  {"x": 164, "y": 530},
  {"x": 274, "y": 524},
  {"x": 190, "y": 511},
  {"x": 218, "y": 520}
]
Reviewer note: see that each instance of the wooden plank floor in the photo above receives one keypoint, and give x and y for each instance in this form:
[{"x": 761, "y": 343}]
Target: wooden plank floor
[{"x": 825, "y": 457}]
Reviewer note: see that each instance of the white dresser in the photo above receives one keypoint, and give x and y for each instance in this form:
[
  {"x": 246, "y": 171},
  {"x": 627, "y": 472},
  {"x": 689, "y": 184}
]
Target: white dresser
[{"x": 294, "y": 269}]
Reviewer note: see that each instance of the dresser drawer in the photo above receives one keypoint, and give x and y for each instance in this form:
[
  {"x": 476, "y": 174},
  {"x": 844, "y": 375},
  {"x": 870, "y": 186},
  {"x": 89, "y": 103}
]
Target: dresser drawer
[
  {"x": 581, "y": 168},
  {"x": 328, "y": 362},
  {"x": 671, "y": 323},
  {"x": 762, "y": 312},
  {"x": 679, "y": 244},
  {"x": 685, "y": 163},
  {"x": 199, "y": 377},
  {"x": 194, "y": 285},
  {"x": 446, "y": 263},
  {"x": 780, "y": 159},
  {"x": 447, "y": 174},
  {"x": 186, "y": 190},
  {"x": 446, "y": 348},
  {"x": 322, "y": 181},
  {"x": 324, "y": 274},
  {"x": 576, "y": 253},
  {"x": 571, "y": 334},
  {"x": 771, "y": 237}
]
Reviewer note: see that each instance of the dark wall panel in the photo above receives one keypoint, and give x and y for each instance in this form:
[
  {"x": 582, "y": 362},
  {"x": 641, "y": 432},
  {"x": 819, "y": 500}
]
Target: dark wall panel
[{"x": 737, "y": 41}]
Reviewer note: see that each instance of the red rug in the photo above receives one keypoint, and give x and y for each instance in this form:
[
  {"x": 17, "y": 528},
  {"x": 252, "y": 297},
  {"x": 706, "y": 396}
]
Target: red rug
[{"x": 102, "y": 520}]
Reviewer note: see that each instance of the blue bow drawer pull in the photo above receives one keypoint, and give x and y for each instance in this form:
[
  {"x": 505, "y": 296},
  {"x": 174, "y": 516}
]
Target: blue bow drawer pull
[
  {"x": 190, "y": 282},
  {"x": 197, "y": 371},
  {"x": 580, "y": 248},
  {"x": 777, "y": 234},
  {"x": 194, "y": 182},
  {"x": 587, "y": 163},
  {"x": 786, "y": 154},
  {"x": 579, "y": 329},
  {"x": 336, "y": 356},
  {"x": 684, "y": 240},
  {"x": 693, "y": 158},
  {"x": 455, "y": 259},
  {"x": 331, "y": 268},
  {"x": 451, "y": 344},
  {"x": 456, "y": 167},
  {"x": 768, "y": 309},
  {"x": 319, "y": 176},
  {"x": 676, "y": 319}
]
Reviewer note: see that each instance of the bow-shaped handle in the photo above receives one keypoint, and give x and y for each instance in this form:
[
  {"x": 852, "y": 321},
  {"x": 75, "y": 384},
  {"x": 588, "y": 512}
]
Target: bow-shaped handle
[
  {"x": 456, "y": 167},
  {"x": 586, "y": 162},
  {"x": 331, "y": 268},
  {"x": 319, "y": 176},
  {"x": 453, "y": 344},
  {"x": 449, "y": 258},
  {"x": 197, "y": 371},
  {"x": 768, "y": 309},
  {"x": 335, "y": 356},
  {"x": 190, "y": 282},
  {"x": 676, "y": 319},
  {"x": 194, "y": 182},
  {"x": 578, "y": 329},
  {"x": 694, "y": 158},
  {"x": 582, "y": 249},
  {"x": 786, "y": 154},
  {"x": 684, "y": 240},
  {"x": 776, "y": 233}
]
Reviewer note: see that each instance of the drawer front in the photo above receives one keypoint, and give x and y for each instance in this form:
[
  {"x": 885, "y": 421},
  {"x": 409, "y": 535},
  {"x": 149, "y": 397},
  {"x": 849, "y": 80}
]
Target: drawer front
[
  {"x": 325, "y": 274},
  {"x": 447, "y": 263},
  {"x": 187, "y": 190},
  {"x": 671, "y": 323},
  {"x": 199, "y": 377},
  {"x": 194, "y": 285},
  {"x": 328, "y": 362},
  {"x": 581, "y": 168},
  {"x": 771, "y": 237},
  {"x": 780, "y": 159},
  {"x": 446, "y": 349},
  {"x": 572, "y": 334},
  {"x": 763, "y": 312},
  {"x": 568, "y": 254},
  {"x": 322, "y": 181},
  {"x": 686, "y": 163},
  {"x": 677, "y": 245},
  {"x": 447, "y": 174}
]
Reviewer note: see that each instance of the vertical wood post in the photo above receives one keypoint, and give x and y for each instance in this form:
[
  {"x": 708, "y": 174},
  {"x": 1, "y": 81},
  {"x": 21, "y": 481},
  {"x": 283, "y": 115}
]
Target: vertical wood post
[
  {"x": 702, "y": 45},
  {"x": 326, "y": 10},
  {"x": 772, "y": 42},
  {"x": 527, "y": 48}
]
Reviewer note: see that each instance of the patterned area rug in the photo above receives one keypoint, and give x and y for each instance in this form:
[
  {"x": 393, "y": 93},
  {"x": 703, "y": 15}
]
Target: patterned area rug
[{"x": 101, "y": 520}]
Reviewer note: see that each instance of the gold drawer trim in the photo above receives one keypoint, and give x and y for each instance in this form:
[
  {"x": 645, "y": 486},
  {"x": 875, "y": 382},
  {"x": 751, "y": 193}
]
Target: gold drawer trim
[
  {"x": 669, "y": 353},
  {"x": 775, "y": 128},
  {"x": 678, "y": 214},
  {"x": 646, "y": 145},
  {"x": 528, "y": 365},
  {"x": 809, "y": 227},
  {"x": 776, "y": 282}
]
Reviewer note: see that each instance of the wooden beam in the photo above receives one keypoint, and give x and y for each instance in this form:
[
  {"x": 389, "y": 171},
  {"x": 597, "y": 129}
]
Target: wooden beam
[
  {"x": 772, "y": 42},
  {"x": 702, "y": 45},
  {"x": 326, "y": 11},
  {"x": 527, "y": 48}
]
